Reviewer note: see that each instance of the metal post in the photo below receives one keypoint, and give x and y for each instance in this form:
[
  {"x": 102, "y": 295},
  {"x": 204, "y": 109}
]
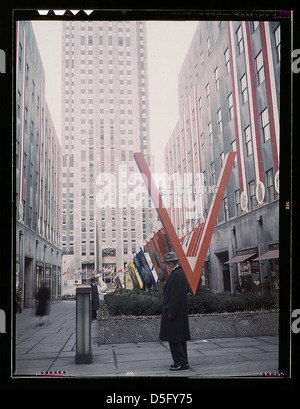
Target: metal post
[{"x": 83, "y": 325}]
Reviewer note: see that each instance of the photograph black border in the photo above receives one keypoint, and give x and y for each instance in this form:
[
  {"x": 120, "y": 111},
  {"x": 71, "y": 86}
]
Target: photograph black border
[{"x": 289, "y": 281}]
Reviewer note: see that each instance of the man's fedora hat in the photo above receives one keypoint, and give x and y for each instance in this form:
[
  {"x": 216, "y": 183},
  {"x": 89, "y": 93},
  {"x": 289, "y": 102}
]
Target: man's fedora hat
[{"x": 171, "y": 256}]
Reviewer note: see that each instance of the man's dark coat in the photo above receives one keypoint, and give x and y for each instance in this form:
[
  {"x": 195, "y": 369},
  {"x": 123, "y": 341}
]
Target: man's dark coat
[
  {"x": 175, "y": 303},
  {"x": 95, "y": 297}
]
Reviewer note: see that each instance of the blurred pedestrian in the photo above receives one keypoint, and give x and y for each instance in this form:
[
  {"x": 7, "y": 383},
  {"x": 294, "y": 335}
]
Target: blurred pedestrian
[
  {"x": 42, "y": 310},
  {"x": 237, "y": 287},
  {"x": 19, "y": 300},
  {"x": 174, "y": 318},
  {"x": 95, "y": 298},
  {"x": 249, "y": 284},
  {"x": 266, "y": 289}
]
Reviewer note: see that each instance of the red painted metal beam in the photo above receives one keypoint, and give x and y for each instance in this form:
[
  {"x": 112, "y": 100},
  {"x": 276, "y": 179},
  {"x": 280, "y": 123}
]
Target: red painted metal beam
[
  {"x": 212, "y": 219},
  {"x": 193, "y": 275},
  {"x": 162, "y": 212}
]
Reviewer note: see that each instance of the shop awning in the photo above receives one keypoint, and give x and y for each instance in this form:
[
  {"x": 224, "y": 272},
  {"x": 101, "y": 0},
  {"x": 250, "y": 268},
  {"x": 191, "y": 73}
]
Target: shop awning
[
  {"x": 268, "y": 255},
  {"x": 239, "y": 259}
]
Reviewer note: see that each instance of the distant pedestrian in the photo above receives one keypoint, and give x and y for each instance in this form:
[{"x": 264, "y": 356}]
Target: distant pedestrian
[
  {"x": 19, "y": 300},
  {"x": 243, "y": 284},
  {"x": 266, "y": 289},
  {"x": 42, "y": 310},
  {"x": 174, "y": 318},
  {"x": 249, "y": 284},
  {"x": 95, "y": 298},
  {"x": 237, "y": 288}
]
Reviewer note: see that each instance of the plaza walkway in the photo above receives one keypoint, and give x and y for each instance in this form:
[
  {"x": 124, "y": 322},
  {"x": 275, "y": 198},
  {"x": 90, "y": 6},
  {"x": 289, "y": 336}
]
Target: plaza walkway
[{"x": 52, "y": 348}]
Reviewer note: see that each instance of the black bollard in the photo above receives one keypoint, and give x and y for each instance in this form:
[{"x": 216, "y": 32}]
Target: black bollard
[{"x": 83, "y": 325}]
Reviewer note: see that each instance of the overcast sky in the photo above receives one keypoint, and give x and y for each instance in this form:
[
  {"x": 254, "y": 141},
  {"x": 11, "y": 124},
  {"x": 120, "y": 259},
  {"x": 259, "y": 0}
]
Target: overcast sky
[{"x": 168, "y": 43}]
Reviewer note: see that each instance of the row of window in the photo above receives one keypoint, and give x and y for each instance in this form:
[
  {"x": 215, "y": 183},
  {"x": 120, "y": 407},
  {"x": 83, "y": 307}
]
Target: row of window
[
  {"x": 270, "y": 196},
  {"x": 259, "y": 63},
  {"x": 270, "y": 193},
  {"x": 265, "y": 126}
]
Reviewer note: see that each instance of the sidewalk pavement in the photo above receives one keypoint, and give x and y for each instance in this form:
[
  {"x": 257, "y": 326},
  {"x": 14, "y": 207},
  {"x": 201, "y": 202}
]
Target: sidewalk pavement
[{"x": 52, "y": 347}]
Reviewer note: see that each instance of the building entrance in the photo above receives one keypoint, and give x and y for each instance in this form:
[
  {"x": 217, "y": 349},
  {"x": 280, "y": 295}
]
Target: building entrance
[
  {"x": 226, "y": 280},
  {"x": 223, "y": 271}
]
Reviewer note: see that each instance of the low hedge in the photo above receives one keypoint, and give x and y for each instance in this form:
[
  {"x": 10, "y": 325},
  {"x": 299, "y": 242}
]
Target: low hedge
[{"x": 138, "y": 302}]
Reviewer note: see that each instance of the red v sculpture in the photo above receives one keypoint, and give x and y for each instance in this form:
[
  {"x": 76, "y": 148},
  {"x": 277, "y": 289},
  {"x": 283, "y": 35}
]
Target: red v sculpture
[{"x": 191, "y": 266}]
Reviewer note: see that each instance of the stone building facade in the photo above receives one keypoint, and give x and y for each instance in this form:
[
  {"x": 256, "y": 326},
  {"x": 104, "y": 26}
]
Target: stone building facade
[
  {"x": 37, "y": 176},
  {"x": 229, "y": 100}
]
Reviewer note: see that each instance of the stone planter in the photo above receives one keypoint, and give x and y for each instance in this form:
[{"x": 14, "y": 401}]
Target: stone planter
[{"x": 118, "y": 330}]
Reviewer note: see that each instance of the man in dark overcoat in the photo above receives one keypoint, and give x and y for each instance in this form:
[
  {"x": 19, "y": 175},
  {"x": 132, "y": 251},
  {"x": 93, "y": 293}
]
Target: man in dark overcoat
[
  {"x": 95, "y": 298},
  {"x": 174, "y": 326}
]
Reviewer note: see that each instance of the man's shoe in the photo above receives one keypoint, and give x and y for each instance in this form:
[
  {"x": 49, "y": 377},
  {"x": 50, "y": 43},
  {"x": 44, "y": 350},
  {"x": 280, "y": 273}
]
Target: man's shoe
[
  {"x": 179, "y": 367},
  {"x": 186, "y": 365}
]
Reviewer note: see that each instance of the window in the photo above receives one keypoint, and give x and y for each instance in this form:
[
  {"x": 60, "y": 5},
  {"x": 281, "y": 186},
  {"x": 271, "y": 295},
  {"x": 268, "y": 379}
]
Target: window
[
  {"x": 207, "y": 93},
  {"x": 202, "y": 139},
  {"x": 248, "y": 140},
  {"x": 33, "y": 90},
  {"x": 226, "y": 213},
  {"x": 219, "y": 116},
  {"x": 19, "y": 104},
  {"x": 253, "y": 201},
  {"x": 270, "y": 185},
  {"x": 233, "y": 148},
  {"x": 240, "y": 43},
  {"x": 208, "y": 46},
  {"x": 204, "y": 178},
  {"x": 200, "y": 106},
  {"x": 260, "y": 68},
  {"x": 227, "y": 60},
  {"x": 237, "y": 200},
  {"x": 27, "y": 74},
  {"x": 244, "y": 89},
  {"x": 217, "y": 79},
  {"x": 20, "y": 56},
  {"x": 230, "y": 106},
  {"x": 277, "y": 34},
  {"x": 222, "y": 159},
  {"x": 210, "y": 135},
  {"x": 265, "y": 125},
  {"x": 213, "y": 175}
]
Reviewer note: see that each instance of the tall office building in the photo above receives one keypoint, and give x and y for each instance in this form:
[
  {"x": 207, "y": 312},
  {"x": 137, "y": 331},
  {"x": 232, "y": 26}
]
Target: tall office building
[
  {"x": 104, "y": 121},
  {"x": 38, "y": 176},
  {"x": 229, "y": 99}
]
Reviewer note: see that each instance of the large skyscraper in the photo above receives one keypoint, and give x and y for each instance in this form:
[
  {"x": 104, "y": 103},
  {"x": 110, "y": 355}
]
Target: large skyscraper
[{"x": 104, "y": 121}]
